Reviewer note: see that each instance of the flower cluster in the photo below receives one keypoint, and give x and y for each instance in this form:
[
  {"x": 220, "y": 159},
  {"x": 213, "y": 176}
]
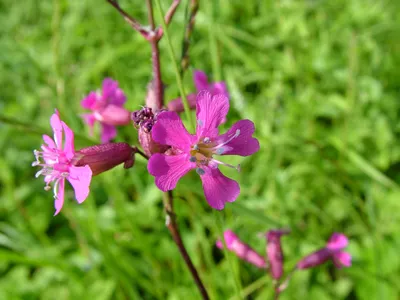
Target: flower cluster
[{"x": 274, "y": 253}]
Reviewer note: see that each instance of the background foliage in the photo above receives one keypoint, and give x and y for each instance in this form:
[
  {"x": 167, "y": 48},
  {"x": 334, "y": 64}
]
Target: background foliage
[{"x": 320, "y": 79}]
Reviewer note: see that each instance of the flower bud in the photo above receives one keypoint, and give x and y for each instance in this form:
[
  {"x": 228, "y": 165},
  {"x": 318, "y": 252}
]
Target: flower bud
[
  {"x": 275, "y": 253},
  {"x": 242, "y": 250},
  {"x": 101, "y": 158},
  {"x": 333, "y": 250}
]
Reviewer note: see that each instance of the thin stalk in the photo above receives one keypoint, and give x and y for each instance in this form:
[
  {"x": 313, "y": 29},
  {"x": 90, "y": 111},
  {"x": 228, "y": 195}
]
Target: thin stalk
[
  {"x": 236, "y": 278},
  {"x": 155, "y": 59},
  {"x": 194, "y": 7},
  {"x": 175, "y": 64},
  {"x": 172, "y": 226}
]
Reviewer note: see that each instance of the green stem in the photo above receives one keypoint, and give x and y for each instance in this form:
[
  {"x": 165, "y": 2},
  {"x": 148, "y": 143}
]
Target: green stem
[
  {"x": 236, "y": 278},
  {"x": 175, "y": 64}
]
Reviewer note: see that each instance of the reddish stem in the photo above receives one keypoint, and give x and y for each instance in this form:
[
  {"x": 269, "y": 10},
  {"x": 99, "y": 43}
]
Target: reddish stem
[{"x": 173, "y": 229}]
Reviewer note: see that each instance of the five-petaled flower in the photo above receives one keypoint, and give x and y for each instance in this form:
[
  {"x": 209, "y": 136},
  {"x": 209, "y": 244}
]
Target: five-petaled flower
[
  {"x": 332, "y": 250},
  {"x": 57, "y": 164},
  {"x": 201, "y": 83},
  {"x": 197, "y": 151},
  {"x": 107, "y": 108}
]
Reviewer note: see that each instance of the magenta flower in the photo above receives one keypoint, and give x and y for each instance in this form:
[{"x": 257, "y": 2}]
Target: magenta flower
[
  {"x": 242, "y": 250},
  {"x": 275, "y": 253},
  {"x": 57, "y": 164},
  {"x": 332, "y": 250},
  {"x": 107, "y": 108},
  {"x": 197, "y": 151},
  {"x": 201, "y": 83}
]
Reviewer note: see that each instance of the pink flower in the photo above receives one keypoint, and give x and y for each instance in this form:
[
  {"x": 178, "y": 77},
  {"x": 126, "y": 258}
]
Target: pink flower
[
  {"x": 107, "y": 108},
  {"x": 275, "y": 253},
  {"x": 332, "y": 250},
  {"x": 197, "y": 151},
  {"x": 57, "y": 164},
  {"x": 242, "y": 250},
  {"x": 201, "y": 83}
]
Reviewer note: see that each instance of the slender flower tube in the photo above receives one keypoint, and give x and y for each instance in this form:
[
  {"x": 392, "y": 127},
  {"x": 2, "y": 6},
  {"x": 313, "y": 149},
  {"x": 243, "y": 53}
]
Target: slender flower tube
[
  {"x": 197, "y": 151},
  {"x": 57, "y": 164},
  {"x": 101, "y": 158},
  {"x": 107, "y": 108},
  {"x": 332, "y": 250},
  {"x": 275, "y": 253},
  {"x": 242, "y": 250},
  {"x": 201, "y": 83}
]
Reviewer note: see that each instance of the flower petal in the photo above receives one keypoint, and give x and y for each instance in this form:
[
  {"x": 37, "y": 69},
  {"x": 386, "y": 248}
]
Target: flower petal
[
  {"x": 108, "y": 132},
  {"x": 49, "y": 141},
  {"x": 342, "y": 259},
  {"x": 111, "y": 93},
  {"x": 168, "y": 169},
  {"x": 200, "y": 80},
  {"x": 69, "y": 141},
  {"x": 59, "y": 198},
  {"x": 55, "y": 123},
  {"x": 177, "y": 104},
  {"x": 218, "y": 188},
  {"x": 89, "y": 102},
  {"x": 79, "y": 178},
  {"x": 211, "y": 112},
  {"x": 219, "y": 88},
  {"x": 169, "y": 130},
  {"x": 337, "y": 241},
  {"x": 244, "y": 144}
]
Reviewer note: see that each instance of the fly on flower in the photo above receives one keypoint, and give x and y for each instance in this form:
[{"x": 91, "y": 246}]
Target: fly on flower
[
  {"x": 197, "y": 151},
  {"x": 57, "y": 163}
]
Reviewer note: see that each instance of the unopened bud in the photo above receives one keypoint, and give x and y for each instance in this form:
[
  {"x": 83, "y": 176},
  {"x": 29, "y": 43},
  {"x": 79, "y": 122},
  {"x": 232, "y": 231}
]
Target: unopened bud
[
  {"x": 242, "y": 250},
  {"x": 101, "y": 158},
  {"x": 275, "y": 253}
]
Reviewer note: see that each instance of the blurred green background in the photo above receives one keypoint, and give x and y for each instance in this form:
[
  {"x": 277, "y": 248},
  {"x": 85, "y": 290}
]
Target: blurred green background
[{"x": 320, "y": 79}]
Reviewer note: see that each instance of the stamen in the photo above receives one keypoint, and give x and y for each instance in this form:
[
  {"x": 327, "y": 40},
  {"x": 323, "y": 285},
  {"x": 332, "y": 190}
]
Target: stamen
[
  {"x": 192, "y": 159},
  {"x": 237, "y": 168},
  {"x": 206, "y": 140},
  {"x": 237, "y": 133},
  {"x": 196, "y": 147},
  {"x": 200, "y": 123},
  {"x": 200, "y": 171}
]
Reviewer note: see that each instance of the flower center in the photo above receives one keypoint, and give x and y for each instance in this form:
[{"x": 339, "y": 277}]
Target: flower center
[
  {"x": 202, "y": 152},
  {"x": 55, "y": 165}
]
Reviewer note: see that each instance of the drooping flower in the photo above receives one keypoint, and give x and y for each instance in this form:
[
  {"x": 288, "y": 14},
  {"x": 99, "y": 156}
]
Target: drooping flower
[
  {"x": 242, "y": 250},
  {"x": 201, "y": 83},
  {"x": 107, "y": 108},
  {"x": 57, "y": 164},
  {"x": 197, "y": 151},
  {"x": 275, "y": 253},
  {"x": 332, "y": 250}
]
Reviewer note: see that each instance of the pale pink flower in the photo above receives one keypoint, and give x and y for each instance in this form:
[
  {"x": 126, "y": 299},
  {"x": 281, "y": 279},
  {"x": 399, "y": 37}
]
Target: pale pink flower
[
  {"x": 332, "y": 250},
  {"x": 57, "y": 164},
  {"x": 196, "y": 151},
  {"x": 275, "y": 253},
  {"x": 107, "y": 108},
  {"x": 242, "y": 250},
  {"x": 201, "y": 83}
]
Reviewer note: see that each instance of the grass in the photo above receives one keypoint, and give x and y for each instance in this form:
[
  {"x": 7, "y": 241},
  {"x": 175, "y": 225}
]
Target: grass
[{"x": 320, "y": 79}]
